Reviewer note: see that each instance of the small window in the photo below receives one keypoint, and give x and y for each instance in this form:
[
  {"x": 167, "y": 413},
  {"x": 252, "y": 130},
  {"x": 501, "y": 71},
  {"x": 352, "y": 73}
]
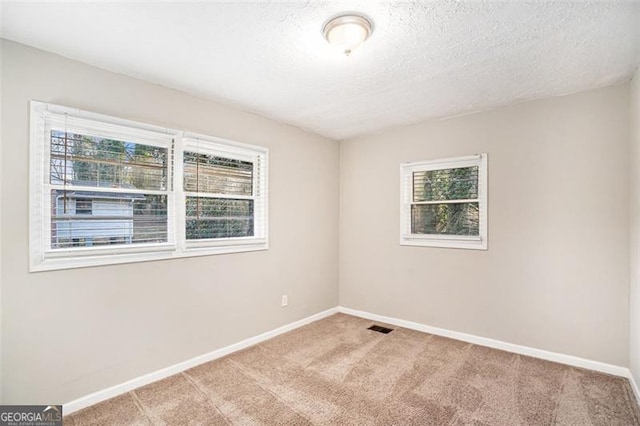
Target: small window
[{"x": 444, "y": 203}]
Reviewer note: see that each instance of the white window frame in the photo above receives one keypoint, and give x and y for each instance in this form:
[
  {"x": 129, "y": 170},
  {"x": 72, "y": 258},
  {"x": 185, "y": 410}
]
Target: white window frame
[
  {"x": 43, "y": 258},
  {"x": 436, "y": 240},
  {"x": 209, "y": 145}
]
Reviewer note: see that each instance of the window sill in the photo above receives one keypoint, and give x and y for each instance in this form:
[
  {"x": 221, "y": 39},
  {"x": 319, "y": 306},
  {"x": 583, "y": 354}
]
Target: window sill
[
  {"x": 59, "y": 263},
  {"x": 444, "y": 241}
]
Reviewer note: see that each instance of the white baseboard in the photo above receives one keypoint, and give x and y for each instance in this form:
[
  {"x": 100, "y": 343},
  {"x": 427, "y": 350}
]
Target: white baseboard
[
  {"x": 132, "y": 384},
  {"x": 496, "y": 344}
]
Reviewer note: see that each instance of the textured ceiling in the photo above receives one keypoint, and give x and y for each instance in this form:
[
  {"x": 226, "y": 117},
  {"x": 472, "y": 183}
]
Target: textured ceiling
[{"x": 424, "y": 59}]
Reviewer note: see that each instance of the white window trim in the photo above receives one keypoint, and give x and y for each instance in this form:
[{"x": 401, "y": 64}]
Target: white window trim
[
  {"x": 42, "y": 259},
  {"x": 236, "y": 150},
  {"x": 435, "y": 240}
]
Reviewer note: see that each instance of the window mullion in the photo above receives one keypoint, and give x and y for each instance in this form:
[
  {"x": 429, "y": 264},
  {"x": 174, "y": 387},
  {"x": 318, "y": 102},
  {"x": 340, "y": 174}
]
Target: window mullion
[
  {"x": 107, "y": 190},
  {"x": 216, "y": 195},
  {"x": 454, "y": 201},
  {"x": 180, "y": 197}
]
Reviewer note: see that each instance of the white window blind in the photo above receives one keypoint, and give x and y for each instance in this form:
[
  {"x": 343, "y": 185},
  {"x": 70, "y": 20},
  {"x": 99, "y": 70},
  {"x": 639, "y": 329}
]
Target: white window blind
[
  {"x": 444, "y": 203},
  {"x": 106, "y": 190},
  {"x": 106, "y": 187},
  {"x": 224, "y": 193}
]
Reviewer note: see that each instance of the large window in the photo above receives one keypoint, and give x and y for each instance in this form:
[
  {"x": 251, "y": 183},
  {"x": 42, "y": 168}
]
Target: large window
[
  {"x": 105, "y": 190},
  {"x": 444, "y": 203}
]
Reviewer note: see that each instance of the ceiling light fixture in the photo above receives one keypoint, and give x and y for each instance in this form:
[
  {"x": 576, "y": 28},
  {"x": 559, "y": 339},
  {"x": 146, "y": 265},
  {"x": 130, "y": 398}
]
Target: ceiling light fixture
[{"x": 347, "y": 32}]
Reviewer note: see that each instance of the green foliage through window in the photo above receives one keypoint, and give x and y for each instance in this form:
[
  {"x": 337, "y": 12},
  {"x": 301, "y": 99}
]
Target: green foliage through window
[
  {"x": 93, "y": 161},
  {"x": 446, "y": 219},
  {"x": 445, "y": 184},
  {"x": 217, "y": 175},
  {"x": 434, "y": 213},
  {"x": 217, "y": 217}
]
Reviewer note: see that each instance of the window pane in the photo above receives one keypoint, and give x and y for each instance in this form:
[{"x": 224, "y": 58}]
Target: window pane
[
  {"x": 446, "y": 184},
  {"x": 113, "y": 218},
  {"x": 84, "y": 206},
  {"x": 446, "y": 219},
  {"x": 218, "y": 218},
  {"x": 94, "y": 161},
  {"x": 217, "y": 175}
]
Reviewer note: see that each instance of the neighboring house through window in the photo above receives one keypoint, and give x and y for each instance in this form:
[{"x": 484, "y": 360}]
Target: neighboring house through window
[
  {"x": 106, "y": 190},
  {"x": 444, "y": 203},
  {"x": 99, "y": 218}
]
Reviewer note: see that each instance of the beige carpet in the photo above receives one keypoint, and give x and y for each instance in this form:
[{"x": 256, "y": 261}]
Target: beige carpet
[{"x": 336, "y": 372}]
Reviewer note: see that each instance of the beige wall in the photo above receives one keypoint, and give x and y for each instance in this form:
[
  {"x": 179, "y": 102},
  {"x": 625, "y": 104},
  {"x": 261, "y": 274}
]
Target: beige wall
[
  {"x": 1, "y": 379},
  {"x": 555, "y": 276},
  {"x": 68, "y": 333},
  {"x": 634, "y": 297}
]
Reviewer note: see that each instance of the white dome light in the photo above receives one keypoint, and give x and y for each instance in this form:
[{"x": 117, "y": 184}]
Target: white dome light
[{"x": 347, "y": 32}]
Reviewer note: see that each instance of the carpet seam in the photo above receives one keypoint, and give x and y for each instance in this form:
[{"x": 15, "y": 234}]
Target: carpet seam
[
  {"x": 517, "y": 361},
  {"x": 554, "y": 417},
  {"x": 238, "y": 367},
  {"x": 193, "y": 383},
  {"x": 413, "y": 368},
  {"x": 145, "y": 411},
  {"x": 380, "y": 340},
  {"x": 465, "y": 356},
  {"x": 261, "y": 346}
]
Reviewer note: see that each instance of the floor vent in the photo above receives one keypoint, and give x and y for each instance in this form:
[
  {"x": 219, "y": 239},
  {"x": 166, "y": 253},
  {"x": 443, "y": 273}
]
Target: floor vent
[{"x": 379, "y": 329}]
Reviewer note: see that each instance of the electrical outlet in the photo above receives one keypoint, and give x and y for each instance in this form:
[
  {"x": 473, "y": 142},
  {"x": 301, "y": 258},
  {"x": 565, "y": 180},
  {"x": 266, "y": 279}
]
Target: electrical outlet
[{"x": 285, "y": 300}]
